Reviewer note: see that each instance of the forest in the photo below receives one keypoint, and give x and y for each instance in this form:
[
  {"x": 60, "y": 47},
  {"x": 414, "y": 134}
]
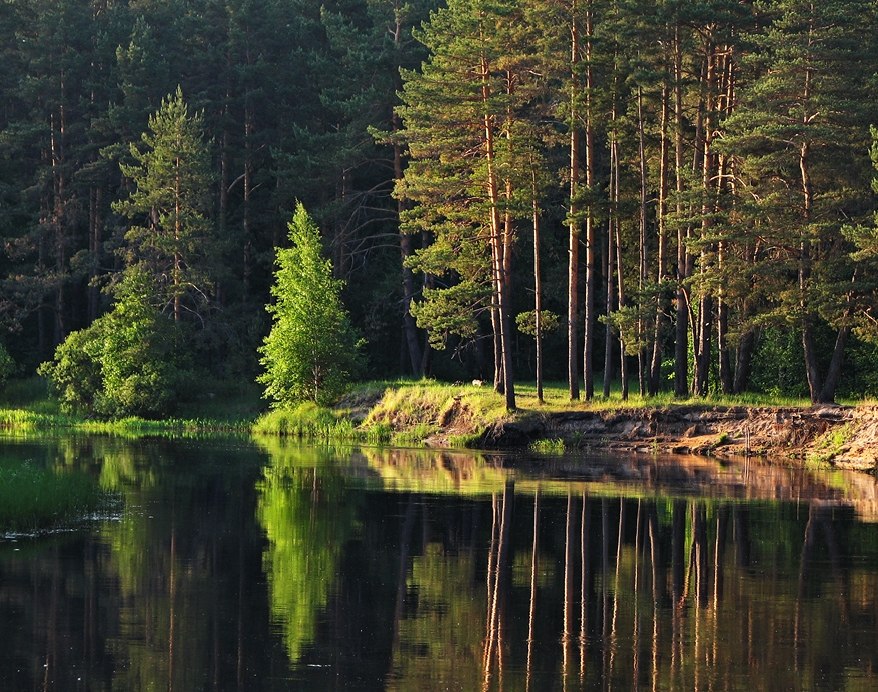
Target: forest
[{"x": 645, "y": 195}]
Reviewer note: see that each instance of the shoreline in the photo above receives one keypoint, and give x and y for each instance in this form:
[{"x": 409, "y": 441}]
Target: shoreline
[{"x": 842, "y": 436}]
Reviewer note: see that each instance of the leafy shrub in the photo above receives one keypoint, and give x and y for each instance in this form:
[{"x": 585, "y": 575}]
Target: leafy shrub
[
  {"x": 127, "y": 363},
  {"x": 7, "y": 365}
]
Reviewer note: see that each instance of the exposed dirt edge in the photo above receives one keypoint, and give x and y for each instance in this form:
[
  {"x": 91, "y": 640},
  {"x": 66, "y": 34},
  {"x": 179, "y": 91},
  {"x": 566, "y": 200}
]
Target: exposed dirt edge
[{"x": 847, "y": 437}]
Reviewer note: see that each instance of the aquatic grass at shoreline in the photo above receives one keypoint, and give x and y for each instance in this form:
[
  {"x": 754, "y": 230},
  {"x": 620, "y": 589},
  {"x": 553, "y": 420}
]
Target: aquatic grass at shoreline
[
  {"x": 27, "y": 421},
  {"x": 32, "y": 499}
]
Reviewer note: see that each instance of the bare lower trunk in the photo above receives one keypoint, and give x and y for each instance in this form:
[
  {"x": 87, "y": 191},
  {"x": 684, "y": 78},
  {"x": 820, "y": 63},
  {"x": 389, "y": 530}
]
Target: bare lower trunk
[
  {"x": 830, "y": 384},
  {"x": 744, "y": 361}
]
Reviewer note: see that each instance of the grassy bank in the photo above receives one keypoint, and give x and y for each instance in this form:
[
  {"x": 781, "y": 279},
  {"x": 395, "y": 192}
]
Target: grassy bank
[
  {"x": 406, "y": 412},
  {"x": 398, "y": 412},
  {"x": 26, "y": 407}
]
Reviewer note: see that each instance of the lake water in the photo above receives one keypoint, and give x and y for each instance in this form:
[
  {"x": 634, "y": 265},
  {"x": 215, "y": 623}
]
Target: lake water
[{"x": 230, "y": 565}]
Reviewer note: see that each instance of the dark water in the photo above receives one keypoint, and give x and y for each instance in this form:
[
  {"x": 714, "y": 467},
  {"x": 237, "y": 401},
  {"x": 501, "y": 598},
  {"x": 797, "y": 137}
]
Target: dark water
[{"x": 235, "y": 566}]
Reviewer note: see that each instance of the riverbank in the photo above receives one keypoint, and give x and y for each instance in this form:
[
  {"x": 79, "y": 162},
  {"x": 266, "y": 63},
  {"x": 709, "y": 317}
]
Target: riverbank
[
  {"x": 845, "y": 437},
  {"x": 435, "y": 414},
  {"x": 463, "y": 415}
]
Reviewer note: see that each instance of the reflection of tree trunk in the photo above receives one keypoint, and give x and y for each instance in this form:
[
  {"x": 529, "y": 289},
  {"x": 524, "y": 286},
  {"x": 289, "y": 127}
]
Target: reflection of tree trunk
[
  {"x": 678, "y": 540},
  {"x": 215, "y": 615},
  {"x": 718, "y": 553},
  {"x": 502, "y": 573},
  {"x": 635, "y": 640},
  {"x": 680, "y": 568},
  {"x": 567, "y": 637},
  {"x": 605, "y": 568},
  {"x": 656, "y": 589},
  {"x": 401, "y": 582},
  {"x": 172, "y": 595},
  {"x": 807, "y": 546},
  {"x": 722, "y": 520},
  {"x": 699, "y": 531},
  {"x": 52, "y": 622},
  {"x": 583, "y": 585},
  {"x": 239, "y": 659},
  {"x": 839, "y": 572},
  {"x": 489, "y": 590},
  {"x": 534, "y": 570},
  {"x": 496, "y": 592},
  {"x": 741, "y": 534},
  {"x": 613, "y": 631}
]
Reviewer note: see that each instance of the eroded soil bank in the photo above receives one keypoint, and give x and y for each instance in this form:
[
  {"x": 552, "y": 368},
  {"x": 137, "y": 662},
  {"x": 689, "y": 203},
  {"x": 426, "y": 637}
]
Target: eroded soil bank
[{"x": 847, "y": 437}]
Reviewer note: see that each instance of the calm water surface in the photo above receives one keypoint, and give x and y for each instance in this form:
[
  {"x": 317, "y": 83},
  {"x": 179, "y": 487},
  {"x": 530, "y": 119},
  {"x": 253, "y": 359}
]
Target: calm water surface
[{"x": 257, "y": 566}]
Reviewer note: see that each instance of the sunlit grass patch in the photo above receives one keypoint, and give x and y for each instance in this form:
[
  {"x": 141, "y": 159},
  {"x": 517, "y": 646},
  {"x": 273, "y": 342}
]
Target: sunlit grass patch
[
  {"x": 831, "y": 443},
  {"x": 556, "y": 397},
  {"x": 306, "y": 421}
]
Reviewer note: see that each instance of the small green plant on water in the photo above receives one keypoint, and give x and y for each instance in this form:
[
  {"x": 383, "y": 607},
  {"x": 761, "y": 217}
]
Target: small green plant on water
[
  {"x": 548, "y": 446},
  {"x": 32, "y": 498}
]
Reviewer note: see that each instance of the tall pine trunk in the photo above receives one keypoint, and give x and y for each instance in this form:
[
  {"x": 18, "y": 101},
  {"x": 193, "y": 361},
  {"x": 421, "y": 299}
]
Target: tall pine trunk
[
  {"x": 681, "y": 343},
  {"x": 662, "y": 302},
  {"x": 573, "y": 247},
  {"x": 538, "y": 281},
  {"x": 500, "y": 243},
  {"x": 591, "y": 283}
]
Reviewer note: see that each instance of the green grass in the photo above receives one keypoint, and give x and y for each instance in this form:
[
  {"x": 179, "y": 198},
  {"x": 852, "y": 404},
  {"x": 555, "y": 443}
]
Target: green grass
[
  {"x": 557, "y": 398},
  {"x": 830, "y": 444},
  {"x": 32, "y": 499},
  {"x": 548, "y": 446},
  {"x": 408, "y": 412},
  {"x": 309, "y": 421},
  {"x": 227, "y": 408},
  {"x": 399, "y": 412}
]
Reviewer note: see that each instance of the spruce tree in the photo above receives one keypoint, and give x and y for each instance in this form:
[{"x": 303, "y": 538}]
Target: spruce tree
[{"x": 311, "y": 352}]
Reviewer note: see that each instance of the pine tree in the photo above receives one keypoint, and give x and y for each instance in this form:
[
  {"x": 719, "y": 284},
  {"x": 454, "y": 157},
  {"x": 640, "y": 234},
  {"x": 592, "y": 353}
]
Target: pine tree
[
  {"x": 802, "y": 132},
  {"x": 176, "y": 242}
]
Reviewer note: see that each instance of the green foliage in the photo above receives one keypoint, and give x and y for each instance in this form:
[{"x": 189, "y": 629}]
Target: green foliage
[
  {"x": 172, "y": 175},
  {"x": 527, "y": 322},
  {"x": 831, "y": 443},
  {"x": 308, "y": 516},
  {"x": 306, "y": 421},
  {"x": 7, "y": 365},
  {"x": 75, "y": 371},
  {"x": 548, "y": 446},
  {"x": 311, "y": 353},
  {"x": 127, "y": 363}
]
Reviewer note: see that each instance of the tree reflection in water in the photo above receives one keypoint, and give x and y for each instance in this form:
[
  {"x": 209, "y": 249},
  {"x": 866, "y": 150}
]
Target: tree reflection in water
[{"x": 296, "y": 568}]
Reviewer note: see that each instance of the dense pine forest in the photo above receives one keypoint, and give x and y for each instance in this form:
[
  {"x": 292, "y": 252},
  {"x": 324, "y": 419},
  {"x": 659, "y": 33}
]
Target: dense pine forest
[{"x": 644, "y": 195}]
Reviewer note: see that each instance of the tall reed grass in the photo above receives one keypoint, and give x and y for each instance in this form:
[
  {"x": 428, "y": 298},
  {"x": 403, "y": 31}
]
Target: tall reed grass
[{"x": 33, "y": 498}]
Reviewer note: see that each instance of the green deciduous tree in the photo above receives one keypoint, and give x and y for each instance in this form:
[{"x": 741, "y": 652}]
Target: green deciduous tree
[
  {"x": 311, "y": 352},
  {"x": 128, "y": 362}
]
